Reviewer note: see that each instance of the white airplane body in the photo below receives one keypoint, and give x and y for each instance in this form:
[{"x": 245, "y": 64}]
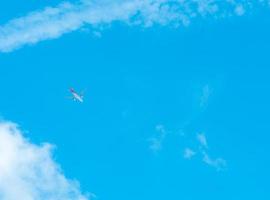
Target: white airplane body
[{"x": 76, "y": 96}]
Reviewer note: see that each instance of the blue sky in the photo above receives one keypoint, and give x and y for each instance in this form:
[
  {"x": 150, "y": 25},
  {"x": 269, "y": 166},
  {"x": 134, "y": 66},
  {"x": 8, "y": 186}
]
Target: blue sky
[{"x": 172, "y": 110}]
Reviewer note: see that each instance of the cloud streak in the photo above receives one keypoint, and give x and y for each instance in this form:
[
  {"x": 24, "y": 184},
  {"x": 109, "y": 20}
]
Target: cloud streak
[
  {"x": 28, "y": 171},
  {"x": 53, "y": 22}
]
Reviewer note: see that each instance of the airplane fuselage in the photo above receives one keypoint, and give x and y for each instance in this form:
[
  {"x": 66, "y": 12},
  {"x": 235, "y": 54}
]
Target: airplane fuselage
[{"x": 76, "y": 96}]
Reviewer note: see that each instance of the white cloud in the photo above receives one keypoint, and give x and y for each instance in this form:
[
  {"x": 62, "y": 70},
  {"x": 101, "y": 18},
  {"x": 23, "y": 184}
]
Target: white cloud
[
  {"x": 202, "y": 139},
  {"x": 28, "y": 171},
  {"x": 157, "y": 141},
  {"x": 218, "y": 163},
  {"x": 53, "y": 22},
  {"x": 189, "y": 153}
]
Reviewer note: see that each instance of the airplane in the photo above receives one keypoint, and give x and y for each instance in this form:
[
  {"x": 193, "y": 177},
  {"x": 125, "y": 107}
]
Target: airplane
[{"x": 76, "y": 96}]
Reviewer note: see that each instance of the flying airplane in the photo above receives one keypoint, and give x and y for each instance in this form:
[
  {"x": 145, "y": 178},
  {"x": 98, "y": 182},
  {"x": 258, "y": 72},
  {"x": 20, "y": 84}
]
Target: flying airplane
[{"x": 76, "y": 96}]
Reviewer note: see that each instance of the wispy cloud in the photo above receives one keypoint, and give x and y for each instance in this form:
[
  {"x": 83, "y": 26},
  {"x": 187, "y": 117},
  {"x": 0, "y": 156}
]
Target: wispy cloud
[
  {"x": 189, "y": 153},
  {"x": 53, "y": 22},
  {"x": 239, "y": 10},
  {"x": 157, "y": 141},
  {"x": 28, "y": 171},
  {"x": 218, "y": 163},
  {"x": 206, "y": 92},
  {"x": 202, "y": 140},
  {"x": 202, "y": 150}
]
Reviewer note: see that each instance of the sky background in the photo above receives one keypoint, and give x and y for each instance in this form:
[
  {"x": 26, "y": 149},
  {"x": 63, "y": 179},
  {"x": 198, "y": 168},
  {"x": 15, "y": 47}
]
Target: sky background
[{"x": 152, "y": 94}]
